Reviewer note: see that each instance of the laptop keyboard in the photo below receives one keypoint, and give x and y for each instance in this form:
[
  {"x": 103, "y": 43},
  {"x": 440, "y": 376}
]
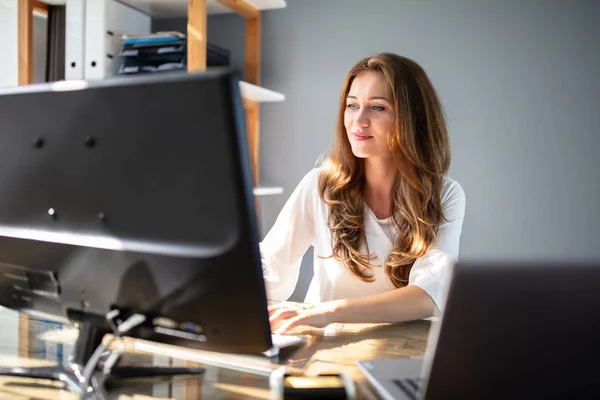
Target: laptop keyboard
[{"x": 409, "y": 386}]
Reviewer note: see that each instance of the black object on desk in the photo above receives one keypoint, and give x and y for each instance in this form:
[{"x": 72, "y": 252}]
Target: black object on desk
[{"x": 149, "y": 233}]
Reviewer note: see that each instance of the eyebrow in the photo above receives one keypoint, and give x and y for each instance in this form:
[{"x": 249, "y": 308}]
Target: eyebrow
[{"x": 370, "y": 98}]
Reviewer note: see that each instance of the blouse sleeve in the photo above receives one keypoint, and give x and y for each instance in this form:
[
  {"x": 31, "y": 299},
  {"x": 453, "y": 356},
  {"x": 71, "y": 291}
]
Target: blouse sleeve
[
  {"x": 285, "y": 244},
  {"x": 432, "y": 271}
]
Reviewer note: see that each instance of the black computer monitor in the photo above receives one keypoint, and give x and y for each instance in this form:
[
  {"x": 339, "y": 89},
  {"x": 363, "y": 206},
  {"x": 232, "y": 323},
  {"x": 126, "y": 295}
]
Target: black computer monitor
[{"x": 133, "y": 194}]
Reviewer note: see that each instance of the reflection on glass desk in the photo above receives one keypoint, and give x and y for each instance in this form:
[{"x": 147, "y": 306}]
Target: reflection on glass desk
[{"x": 29, "y": 342}]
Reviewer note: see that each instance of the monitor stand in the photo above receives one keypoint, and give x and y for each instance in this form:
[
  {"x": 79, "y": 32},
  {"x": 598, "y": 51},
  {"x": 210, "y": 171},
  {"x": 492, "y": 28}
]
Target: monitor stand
[{"x": 90, "y": 338}]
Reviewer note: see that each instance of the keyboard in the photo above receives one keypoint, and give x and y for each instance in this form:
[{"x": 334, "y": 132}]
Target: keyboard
[
  {"x": 281, "y": 341},
  {"x": 410, "y": 387}
]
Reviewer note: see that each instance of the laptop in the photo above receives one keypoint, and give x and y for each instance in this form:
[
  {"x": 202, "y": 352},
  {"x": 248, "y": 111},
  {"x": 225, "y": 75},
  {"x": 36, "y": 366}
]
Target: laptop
[{"x": 509, "y": 330}]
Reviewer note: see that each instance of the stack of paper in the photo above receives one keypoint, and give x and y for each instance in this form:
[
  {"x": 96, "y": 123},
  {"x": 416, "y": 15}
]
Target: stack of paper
[{"x": 163, "y": 51}]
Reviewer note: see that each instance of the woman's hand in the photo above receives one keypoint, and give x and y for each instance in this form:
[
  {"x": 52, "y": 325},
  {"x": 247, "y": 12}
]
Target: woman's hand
[{"x": 290, "y": 316}]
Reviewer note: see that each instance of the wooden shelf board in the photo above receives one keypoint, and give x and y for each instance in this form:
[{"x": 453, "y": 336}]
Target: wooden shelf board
[{"x": 179, "y": 8}]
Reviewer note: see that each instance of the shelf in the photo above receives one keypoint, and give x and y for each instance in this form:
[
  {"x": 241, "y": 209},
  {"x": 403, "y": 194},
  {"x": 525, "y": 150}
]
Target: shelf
[
  {"x": 259, "y": 94},
  {"x": 267, "y": 191},
  {"x": 179, "y": 8}
]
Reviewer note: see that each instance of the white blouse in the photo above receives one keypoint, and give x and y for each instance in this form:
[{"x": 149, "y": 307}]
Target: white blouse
[{"x": 303, "y": 222}]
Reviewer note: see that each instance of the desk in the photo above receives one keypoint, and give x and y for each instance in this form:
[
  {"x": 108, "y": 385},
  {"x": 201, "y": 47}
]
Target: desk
[{"x": 225, "y": 378}]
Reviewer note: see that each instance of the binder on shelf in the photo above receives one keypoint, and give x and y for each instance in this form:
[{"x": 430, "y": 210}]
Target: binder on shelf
[
  {"x": 75, "y": 40},
  {"x": 96, "y": 54}
]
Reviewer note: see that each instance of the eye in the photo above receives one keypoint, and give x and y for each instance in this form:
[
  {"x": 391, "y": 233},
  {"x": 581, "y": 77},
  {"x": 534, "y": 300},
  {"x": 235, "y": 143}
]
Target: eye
[
  {"x": 352, "y": 106},
  {"x": 378, "y": 108}
]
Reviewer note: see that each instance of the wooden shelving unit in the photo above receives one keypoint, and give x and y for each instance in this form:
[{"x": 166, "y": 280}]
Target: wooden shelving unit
[{"x": 197, "y": 11}]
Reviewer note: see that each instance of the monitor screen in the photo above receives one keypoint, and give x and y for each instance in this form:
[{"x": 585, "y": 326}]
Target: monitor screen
[{"x": 133, "y": 194}]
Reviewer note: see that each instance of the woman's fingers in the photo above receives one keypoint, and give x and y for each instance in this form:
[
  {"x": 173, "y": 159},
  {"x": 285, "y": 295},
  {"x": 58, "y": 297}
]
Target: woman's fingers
[
  {"x": 290, "y": 324},
  {"x": 288, "y": 306},
  {"x": 312, "y": 317},
  {"x": 281, "y": 315}
]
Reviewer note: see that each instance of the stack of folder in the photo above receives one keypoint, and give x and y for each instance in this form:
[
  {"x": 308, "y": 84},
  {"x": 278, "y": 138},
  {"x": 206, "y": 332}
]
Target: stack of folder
[{"x": 163, "y": 51}]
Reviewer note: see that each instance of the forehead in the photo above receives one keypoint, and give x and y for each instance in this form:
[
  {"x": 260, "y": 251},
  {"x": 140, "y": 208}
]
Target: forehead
[{"x": 369, "y": 83}]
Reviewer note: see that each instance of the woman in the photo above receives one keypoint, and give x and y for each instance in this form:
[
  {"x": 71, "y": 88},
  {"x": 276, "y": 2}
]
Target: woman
[{"x": 384, "y": 220}]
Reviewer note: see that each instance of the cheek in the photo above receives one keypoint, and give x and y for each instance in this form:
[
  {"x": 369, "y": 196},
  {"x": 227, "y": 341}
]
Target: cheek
[
  {"x": 347, "y": 121},
  {"x": 384, "y": 128}
]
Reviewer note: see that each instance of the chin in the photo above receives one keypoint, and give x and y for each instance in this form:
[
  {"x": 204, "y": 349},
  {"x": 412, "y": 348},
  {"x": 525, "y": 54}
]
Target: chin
[{"x": 360, "y": 153}]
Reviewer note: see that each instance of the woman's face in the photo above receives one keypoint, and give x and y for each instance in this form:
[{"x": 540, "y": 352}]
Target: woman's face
[{"x": 369, "y": 116}]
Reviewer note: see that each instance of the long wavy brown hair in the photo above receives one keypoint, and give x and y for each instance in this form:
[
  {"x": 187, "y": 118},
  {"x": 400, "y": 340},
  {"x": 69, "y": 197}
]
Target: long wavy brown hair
[{"x": 420, "y": 149}]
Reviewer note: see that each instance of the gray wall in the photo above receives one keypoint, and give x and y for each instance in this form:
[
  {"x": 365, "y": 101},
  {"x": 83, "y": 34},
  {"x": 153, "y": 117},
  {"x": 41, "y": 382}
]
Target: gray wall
[{"x": 519, "y": 83}]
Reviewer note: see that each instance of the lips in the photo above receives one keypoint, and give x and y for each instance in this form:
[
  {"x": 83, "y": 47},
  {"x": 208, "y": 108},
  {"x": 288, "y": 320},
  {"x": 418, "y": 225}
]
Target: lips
[{"x": 361, "y": 136}]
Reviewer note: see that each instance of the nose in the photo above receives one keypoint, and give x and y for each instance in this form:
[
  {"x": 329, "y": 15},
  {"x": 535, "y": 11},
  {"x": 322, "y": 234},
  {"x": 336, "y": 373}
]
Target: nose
[{"x": 361, "y": 119}]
